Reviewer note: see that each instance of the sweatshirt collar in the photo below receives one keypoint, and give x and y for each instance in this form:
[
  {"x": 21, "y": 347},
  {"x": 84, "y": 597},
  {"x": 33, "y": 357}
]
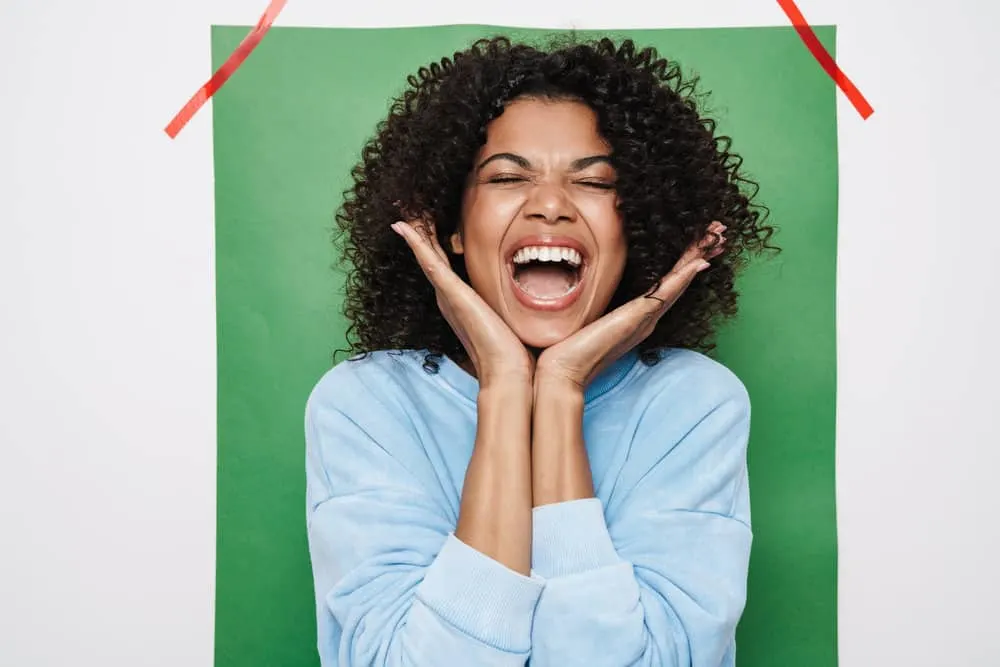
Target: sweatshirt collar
[{"x": 607, "y": 380}]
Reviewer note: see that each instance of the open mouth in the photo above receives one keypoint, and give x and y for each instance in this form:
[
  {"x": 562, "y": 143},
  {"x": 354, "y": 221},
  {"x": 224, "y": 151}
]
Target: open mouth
[{"x": 548, "y": 276}]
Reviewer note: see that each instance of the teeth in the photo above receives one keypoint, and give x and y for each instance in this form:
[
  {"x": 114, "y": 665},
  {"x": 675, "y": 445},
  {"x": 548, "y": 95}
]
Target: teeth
[{"x": 548, "y": 254}]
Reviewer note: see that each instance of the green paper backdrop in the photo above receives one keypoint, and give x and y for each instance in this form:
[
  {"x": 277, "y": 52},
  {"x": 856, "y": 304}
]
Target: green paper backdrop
[{"x": 287, "y": 129}]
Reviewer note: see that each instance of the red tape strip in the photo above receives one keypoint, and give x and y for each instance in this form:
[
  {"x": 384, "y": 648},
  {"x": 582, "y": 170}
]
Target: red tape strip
[
  {"x": 251, "y": 41},
  {"x": 826, "y": 61},
  {"x": 222, "y": 75}
]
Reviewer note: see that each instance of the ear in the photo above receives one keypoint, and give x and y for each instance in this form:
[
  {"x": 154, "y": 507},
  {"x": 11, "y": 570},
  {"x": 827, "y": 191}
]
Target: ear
[{"x": 456, "y": 243}]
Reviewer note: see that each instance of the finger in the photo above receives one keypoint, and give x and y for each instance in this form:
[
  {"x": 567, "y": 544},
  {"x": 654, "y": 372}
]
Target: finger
[
  {"x": 674, "y": 284},
  {"x": 719, "y": 248},
  {"x": 692, "y": 262},
  {"x": 708, "y": 246},
  {"x": 716, "y": 227},
  {"x": 429, "y": 232},
  {"x": 715, "y": 242},
  {"x": 434, "y": 265},
  {"x": 713, "y": 237}
]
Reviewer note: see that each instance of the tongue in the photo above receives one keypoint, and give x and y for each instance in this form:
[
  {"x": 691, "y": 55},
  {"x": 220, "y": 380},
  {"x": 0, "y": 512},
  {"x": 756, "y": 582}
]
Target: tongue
[{"x": 545, "y": 281}]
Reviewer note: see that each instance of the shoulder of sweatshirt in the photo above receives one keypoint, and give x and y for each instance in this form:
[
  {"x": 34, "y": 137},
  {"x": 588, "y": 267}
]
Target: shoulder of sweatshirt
[
  {"x": 691, "y": 377},
  {"x": 687, "y": 417},
  {"x": 378, "y": 382},
  {"x": 373, "y": 407}
]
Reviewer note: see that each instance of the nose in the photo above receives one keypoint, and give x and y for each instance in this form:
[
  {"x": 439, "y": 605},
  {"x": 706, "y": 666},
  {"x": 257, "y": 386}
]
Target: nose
[{"x": 549, "y": 203}]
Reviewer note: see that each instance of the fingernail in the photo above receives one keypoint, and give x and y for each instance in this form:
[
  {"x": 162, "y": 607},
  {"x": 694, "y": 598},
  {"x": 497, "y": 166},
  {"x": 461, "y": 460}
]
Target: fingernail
[
  {"x": 396, "y": 228},
  {"x": 704, "y": 265}
]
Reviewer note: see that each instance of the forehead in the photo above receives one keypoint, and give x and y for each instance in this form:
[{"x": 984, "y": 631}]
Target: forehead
[{"x": 545, "y": 126}]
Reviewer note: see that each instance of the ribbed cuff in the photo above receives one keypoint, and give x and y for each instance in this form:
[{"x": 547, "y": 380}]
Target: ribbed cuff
[
  {"x": 481, "y": 597},
  {"x": 569, "y": 538}
]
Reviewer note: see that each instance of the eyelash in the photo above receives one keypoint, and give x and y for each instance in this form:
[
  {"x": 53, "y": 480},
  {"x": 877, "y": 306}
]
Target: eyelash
[{"x": 500, "y": 180}]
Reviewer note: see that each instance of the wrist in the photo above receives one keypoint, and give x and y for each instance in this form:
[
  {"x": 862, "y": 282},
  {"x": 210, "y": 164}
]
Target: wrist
[
  {"x": 505, "y": 379},
  {"x": 556, "y": 387},
  {"x": 509, "y": 390}
]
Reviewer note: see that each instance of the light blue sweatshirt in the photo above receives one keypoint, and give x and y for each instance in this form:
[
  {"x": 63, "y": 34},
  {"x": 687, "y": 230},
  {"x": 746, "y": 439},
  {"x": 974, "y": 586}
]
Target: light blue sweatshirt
[{"x": 650, "y": 572}]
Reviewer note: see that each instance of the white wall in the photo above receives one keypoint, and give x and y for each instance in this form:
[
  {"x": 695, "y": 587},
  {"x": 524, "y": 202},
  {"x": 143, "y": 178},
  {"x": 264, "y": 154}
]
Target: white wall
[{"x": 107, "y": 370}]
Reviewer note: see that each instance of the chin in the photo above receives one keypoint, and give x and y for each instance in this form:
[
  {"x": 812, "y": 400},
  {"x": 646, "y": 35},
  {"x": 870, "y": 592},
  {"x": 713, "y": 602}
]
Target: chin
[{"x": 539, "y": 334}]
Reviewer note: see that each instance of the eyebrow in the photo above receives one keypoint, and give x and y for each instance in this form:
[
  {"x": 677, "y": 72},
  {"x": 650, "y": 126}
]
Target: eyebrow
[{"x": 522, "y": 162}]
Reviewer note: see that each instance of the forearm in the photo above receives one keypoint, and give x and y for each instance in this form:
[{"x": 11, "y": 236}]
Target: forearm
[
  {"x": 560, "y": 470},
  {"x": 495, "y": 513}
]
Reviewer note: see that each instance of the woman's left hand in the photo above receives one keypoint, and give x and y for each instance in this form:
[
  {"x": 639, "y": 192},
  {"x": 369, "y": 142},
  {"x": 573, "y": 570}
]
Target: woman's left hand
[{"x": 580, "y": 357}]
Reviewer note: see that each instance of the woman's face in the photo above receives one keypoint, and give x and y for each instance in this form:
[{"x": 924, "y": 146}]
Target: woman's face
[{"x": 541, "y": 234}]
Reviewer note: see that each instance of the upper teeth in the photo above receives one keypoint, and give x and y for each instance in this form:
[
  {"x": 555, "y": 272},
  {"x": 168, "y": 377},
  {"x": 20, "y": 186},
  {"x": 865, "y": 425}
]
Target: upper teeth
[{"x": 548, "y": 254}]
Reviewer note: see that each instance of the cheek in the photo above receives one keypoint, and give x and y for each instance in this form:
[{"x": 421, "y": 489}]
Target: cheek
[
  {"x": 609, "y": 233},
  {"x": 493, "y": 206},
  {"x": 484, "y": 225}
]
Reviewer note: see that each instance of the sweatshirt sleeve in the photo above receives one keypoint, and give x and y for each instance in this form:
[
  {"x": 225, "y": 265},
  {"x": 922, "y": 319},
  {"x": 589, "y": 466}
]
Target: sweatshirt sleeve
[
  {"x": 660, "y": 579},
  {"x": 393, "y": 585}
]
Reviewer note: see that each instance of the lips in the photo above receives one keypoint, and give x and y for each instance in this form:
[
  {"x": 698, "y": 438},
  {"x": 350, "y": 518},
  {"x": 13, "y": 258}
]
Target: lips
[{"x": 550, "y": 247}]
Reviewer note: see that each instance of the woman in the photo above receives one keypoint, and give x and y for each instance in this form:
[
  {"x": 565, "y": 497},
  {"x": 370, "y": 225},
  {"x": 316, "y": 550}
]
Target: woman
[{"x": 529, "y": 461}]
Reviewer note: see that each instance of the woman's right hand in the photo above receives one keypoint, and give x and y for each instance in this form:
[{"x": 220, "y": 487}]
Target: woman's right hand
[{"x": 493, "y": 348}]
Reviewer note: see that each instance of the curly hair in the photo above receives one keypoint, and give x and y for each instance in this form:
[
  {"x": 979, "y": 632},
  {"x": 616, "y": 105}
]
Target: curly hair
[{"x": 675, "y": 176}]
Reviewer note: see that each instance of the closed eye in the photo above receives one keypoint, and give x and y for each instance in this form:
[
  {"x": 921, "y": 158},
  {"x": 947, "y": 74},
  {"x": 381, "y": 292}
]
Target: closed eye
[
  {"x": 507, "y": 178},
  {"x": 600, "y": 185}
]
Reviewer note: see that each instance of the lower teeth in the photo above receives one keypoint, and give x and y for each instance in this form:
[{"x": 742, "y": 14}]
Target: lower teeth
[
  {"x": 545, "y": 281},
  {"x": 547, "y": 297}
]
